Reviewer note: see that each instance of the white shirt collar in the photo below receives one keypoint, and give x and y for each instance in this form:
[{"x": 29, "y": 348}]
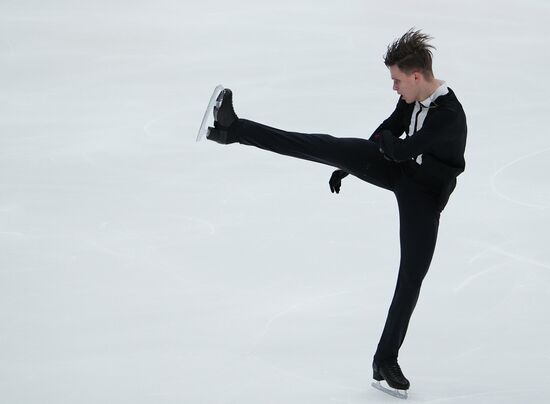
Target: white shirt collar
[{"x": 441, "y": 90}]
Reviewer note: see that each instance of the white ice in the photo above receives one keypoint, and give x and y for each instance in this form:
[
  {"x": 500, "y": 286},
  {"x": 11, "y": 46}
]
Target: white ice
[{"x": 138, "y": 266}]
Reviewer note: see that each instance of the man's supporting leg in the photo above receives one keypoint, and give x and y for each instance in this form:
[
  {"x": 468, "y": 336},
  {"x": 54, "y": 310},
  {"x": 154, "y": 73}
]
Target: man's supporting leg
[
  {"x": 359, "y": 157},
  {"x": 418, "y": 222}
]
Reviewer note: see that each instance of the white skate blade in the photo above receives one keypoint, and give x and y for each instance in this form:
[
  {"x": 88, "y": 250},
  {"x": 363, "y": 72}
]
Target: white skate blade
[
  {"x": 208, "y": 117},
  {"x": 402, "y": 394}
]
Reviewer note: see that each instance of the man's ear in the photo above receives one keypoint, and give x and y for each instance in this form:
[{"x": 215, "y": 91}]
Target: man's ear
[{"x": 417, "y": 76}]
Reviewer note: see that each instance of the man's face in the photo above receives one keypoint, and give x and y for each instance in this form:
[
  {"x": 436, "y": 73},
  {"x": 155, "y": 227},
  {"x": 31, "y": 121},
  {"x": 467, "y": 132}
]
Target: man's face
[{"x": 406, "y": 85}]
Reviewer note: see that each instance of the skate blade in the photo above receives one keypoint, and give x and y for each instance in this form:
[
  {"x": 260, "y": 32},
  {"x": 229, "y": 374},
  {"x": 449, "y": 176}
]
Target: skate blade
[
  {"x": 402, "y": 394},
  {"x": 208, "y": 116}
]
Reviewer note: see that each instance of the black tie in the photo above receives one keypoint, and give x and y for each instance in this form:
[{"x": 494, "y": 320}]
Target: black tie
[{"x": 416, "y": 118}]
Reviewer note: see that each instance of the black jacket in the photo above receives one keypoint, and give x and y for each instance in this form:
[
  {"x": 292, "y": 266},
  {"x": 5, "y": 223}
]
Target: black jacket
[{"x": 441, "y": 141}]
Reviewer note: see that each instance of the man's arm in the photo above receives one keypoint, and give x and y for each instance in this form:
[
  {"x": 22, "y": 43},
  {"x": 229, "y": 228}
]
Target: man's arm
[
  {"x": 437, "y": 126},
  {"x": 395, "y": 123}
]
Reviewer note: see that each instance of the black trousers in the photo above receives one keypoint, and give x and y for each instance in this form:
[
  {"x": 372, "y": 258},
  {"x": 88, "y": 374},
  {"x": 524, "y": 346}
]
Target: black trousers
[{"x": 419, "y": 209}]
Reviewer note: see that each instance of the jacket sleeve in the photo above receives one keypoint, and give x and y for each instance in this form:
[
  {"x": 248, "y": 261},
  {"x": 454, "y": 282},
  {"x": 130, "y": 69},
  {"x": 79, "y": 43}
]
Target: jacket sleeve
[
  {"x": 394, "y": 123},
  {"x": 437, "y": 126}
]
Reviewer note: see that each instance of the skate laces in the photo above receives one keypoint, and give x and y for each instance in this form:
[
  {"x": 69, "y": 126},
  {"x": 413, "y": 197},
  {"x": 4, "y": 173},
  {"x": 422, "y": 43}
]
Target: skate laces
[
  {"x": 395, "y": 371},
  {"x": 229, "y": 103},
  {"x": 226, "y": 115}
]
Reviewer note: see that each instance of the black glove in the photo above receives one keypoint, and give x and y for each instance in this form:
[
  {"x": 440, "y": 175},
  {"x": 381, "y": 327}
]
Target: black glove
[{"x": 336, "y": 180}]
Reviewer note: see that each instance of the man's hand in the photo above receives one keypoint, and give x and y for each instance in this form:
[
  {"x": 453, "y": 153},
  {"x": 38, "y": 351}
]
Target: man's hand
[{"x": 336, "y": 180}]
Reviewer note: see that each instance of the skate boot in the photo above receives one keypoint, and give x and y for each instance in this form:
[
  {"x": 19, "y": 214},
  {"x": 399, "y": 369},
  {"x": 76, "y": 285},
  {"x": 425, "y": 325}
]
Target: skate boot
[
  {"x": 392, "y": 374},
  {"x": 224, "y": 118}
]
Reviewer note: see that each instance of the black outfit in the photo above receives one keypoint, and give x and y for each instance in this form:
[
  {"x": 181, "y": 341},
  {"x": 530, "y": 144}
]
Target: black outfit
[{"x": 387, "y": 161}]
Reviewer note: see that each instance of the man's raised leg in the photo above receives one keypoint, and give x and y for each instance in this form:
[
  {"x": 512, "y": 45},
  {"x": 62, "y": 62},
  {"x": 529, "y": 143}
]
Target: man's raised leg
[{"x": 357, "y": 156}]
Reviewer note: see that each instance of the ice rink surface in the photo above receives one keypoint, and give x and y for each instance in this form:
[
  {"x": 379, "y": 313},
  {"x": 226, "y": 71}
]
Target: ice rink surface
[{"x": 138, "y": 266}]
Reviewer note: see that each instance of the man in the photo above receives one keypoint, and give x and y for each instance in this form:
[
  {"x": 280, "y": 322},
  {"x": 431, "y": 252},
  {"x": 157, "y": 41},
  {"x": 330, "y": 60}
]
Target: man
[{"x": 420, "y": 168}]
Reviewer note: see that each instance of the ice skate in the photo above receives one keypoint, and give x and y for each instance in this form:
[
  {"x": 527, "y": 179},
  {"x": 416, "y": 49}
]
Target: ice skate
[
  {"x": 397, "y": 383},
  {"x": 218, "y": 117},
  {"x": 224, "y": 117},
  {"x": 224, "y": 114},
  {"x": 207, "y": 118}
]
